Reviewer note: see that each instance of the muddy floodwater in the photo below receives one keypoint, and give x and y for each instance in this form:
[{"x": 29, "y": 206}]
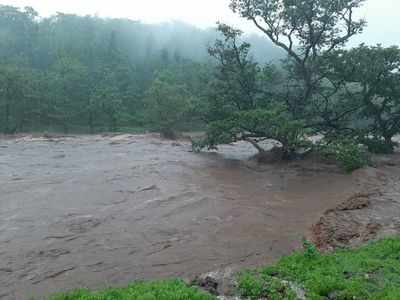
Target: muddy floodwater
[{"x": 95, "y": 211}]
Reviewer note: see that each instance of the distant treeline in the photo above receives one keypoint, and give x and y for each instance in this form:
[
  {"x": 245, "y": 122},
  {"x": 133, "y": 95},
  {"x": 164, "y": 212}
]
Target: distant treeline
[{"x": 69, "y": 72}]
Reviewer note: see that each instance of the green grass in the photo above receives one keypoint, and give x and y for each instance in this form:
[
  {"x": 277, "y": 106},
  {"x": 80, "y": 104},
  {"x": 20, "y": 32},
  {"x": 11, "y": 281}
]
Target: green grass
[
  {"x": 161, "y": 290},
  {"x": 371, "y": 272}
]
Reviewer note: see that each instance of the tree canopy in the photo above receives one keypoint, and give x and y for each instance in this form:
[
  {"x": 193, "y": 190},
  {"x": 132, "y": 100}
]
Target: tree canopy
[{"x": 348, "y": 96}]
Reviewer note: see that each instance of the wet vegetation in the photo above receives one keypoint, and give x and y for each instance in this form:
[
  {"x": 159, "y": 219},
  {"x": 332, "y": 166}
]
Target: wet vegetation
[
  {"x": 371, "y": 272},
  {"x": 86, "y": 74},
  {"x": 70, "y": 73},
  {"x": 321, "y": 88},
  {"x": 163, "y": 290}
]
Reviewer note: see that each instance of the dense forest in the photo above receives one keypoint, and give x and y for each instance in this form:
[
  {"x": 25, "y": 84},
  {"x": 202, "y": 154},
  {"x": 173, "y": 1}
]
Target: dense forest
[
  {"x": 295, "y": 80},
  {"x": 86, "y": 74}
]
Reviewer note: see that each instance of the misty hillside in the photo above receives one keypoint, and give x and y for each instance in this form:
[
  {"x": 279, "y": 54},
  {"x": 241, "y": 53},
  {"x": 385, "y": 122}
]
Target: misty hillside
[
  {"x": 67, "y": 72},
  {"x": 27, "y": 37}
]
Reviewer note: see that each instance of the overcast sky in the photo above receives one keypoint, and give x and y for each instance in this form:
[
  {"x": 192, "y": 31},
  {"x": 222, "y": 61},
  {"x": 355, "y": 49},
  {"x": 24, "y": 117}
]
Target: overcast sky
[{"x": 383, "y": 16}]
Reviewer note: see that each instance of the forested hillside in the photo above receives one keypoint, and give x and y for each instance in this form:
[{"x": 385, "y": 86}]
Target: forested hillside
[
  {"x": 70, "y": 73},
  {"x": 84, "y": 73}
]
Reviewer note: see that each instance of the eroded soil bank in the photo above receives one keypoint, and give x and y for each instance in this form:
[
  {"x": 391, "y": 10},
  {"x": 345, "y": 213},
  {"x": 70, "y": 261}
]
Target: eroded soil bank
[
  {"x": 372, "y": 214},
  {"x": 96, "y": 211}
]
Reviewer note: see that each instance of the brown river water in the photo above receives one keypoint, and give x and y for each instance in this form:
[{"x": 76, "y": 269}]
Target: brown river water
[{"x": 95, "y": 211}]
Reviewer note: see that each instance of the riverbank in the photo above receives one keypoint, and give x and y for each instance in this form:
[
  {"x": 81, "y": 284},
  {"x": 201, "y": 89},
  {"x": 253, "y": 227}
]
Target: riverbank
[{"x": 370, "y": 272}]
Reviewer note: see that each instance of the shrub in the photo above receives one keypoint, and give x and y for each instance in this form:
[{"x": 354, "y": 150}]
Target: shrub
[
  {"x": 378, "y": 146},
  {"x": 255, "y": 286},
  {"x": 350, "y": 155},
  {"x": 310, "y": 250}
]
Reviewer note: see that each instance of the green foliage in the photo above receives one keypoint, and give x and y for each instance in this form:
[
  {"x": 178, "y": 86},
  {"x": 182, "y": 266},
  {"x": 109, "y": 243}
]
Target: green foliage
[
  {"x": 306, "y": 31},
  {"x": 105, "y": 99},
  {"x": 17, "y": 102},
  {"x": 239, "y": 106},
  {"x": 348, "y": 153},
  {"x": 371, "y": 272},
  {"x": 167, "y": 103},
  {"x": 315, "y": 96},
  {"x": 310, "y": 250},
  {"x": 378, "y": 145},
  {"x": 68, "y": 80},
  {"x": 65, "y": 71},
  {"x": 372, "y": 75},
  {"x": 303, "y": 20},
  {"x": 262, "y": 124},
  {"x": 162, "y": 290},
  {"x": 254, "y": 286},
  {"x": 235, "y": 85}
]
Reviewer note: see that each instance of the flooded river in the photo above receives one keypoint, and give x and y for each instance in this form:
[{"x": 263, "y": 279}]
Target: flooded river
[{"x": 95, "y": 211}]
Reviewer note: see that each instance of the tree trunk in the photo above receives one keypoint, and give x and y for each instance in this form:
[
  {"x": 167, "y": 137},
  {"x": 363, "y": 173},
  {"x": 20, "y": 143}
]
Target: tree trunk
[
  {"x": 91, "y": 125},
  {"x": 7, "y": 118},
  {"x": 65, "y": 126},
  {"x": 168, "y": 133},
  {"x": 256, "y": 145},
  {"x": 389, "y": 143}
]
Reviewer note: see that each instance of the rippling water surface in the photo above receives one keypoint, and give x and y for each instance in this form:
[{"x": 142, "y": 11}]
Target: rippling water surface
[{"x": 97, "y": 211}]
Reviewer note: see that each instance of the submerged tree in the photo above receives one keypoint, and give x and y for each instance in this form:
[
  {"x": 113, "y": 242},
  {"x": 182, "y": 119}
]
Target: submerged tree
[
  {"x": 312, "y": 100},
  {"x": 240, "y": 106}
]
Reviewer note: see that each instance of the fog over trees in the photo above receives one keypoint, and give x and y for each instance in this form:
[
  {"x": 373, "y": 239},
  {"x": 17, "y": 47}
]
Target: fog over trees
[
  {"x": 296, "y": 78},
  {"x": 69, "y": 72}
]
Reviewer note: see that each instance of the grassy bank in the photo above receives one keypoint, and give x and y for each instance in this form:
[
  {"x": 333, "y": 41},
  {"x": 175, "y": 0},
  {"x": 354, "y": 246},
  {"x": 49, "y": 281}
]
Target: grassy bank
[
  {"x": 371, "y": 272},
  {"x": 161, "y": 290}
]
